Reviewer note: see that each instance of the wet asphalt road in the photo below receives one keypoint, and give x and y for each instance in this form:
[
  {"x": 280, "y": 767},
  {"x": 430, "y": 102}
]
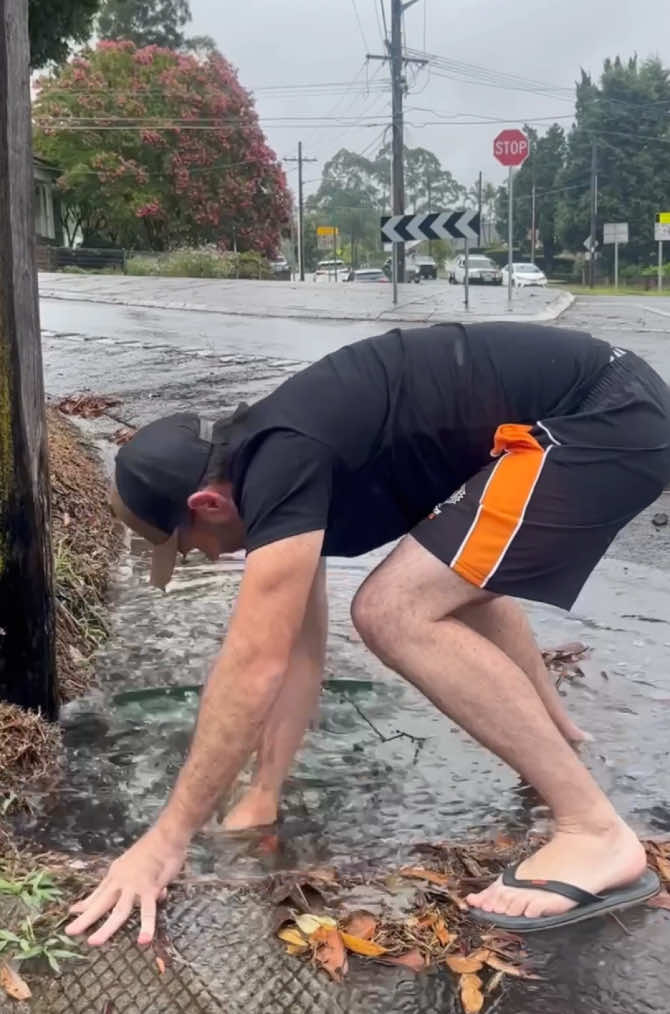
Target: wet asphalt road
[{"x": 351, "y": 793}]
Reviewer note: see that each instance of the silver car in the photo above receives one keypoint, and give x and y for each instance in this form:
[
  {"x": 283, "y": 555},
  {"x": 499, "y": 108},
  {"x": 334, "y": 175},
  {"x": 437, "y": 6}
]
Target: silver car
[{"x": 482, "y": 271}]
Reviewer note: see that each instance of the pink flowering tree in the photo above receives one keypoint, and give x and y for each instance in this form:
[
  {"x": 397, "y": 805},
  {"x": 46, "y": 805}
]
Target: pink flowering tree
[{"x": 159, "y": 149}]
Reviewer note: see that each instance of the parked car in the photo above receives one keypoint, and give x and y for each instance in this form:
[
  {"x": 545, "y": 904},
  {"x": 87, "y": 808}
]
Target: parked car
[
  {"x": 281, "y": 269},
  {"x": 411, "y": 271},
  {"x": 367, "y": 275},
  {"x": 525, "y": 274},
  {"x": 426, "y": 266},
  {"x": 331, "y": 271},
  {"x": 482, "y": 271}
]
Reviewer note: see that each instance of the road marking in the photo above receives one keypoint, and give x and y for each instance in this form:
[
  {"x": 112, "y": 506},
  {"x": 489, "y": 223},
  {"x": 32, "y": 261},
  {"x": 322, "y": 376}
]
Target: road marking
[{"x": 652, "y": 309}]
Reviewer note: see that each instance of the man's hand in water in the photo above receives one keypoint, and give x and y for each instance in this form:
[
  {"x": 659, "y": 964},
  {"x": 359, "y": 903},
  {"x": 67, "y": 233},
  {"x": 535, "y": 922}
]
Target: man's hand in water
[{"x": 139, "y": 876}]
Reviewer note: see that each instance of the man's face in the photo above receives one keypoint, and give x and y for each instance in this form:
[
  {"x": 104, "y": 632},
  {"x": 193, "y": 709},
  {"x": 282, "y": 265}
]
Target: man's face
[{"x": 211, "y": 537}]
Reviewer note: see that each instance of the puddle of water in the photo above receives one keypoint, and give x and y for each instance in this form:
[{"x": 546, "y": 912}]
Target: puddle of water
[{"x": 357, "y": 786}]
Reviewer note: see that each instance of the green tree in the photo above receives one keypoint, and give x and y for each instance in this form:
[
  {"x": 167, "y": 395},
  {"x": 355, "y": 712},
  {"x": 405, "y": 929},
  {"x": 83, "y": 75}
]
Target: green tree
[
  {"x": 356, "y": 191},
  {"x": 145, "y": 22},
  {"x": 56, "y": 25},
  {"x": 627, "y": 116},
  {"x": 349, "y": 197},
  {"x": 159, "y": 149}
]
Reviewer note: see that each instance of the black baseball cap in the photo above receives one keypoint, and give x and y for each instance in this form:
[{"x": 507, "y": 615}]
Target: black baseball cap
[{"x": 156, "y": 472}]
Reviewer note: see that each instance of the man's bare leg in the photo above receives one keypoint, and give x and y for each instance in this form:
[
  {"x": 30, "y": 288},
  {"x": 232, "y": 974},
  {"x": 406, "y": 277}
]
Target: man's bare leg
[
  {"x": 296, "y": 706},
  {"x": 502, "y": 621},
  {"x": 405, "y": 614}
]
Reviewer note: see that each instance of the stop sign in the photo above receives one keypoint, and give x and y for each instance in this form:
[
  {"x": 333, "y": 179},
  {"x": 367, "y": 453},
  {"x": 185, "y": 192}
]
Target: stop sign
[{"x": 511, "y": 147}]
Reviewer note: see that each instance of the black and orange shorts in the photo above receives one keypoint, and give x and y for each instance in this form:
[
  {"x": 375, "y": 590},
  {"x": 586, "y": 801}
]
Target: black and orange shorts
[{"x": 535, "y": 521}]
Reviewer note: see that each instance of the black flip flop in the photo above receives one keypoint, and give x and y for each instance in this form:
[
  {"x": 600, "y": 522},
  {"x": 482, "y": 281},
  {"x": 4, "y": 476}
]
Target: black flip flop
[{"x": 587, "y": 905}]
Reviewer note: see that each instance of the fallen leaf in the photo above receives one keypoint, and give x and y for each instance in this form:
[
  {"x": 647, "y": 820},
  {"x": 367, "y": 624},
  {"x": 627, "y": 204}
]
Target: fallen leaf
[
  {"x": 326, "y": 874},
  {"x": 501, "y": 941},
  {"x": 12, "y": 983},
  {"x": 663, "y": 866},
  {"x": 330, "y": 952},
  {"x": 494, "y": 982},
  {"x": 493, "y": 961},
  {"x": 301, "y": 894},
  {"x": 160, "y": 965},
  {"x": 472, "y": 997},
  {"x": 309, "y": 923},
  {"x": 293, "y": 937},
  {"x": 412, "y": 959},
  {"x": 123, "y": 435},
  {"x": 442, "y": 934},
  {"x": 466, "y": 965},
  {"x": 281, "y": 917},
  {"x": 89, "y": 406},
  {"x": 359, "y": 945},
  {"x": 293, "y": 949},
  {"x": 361, "y": 924},
  {"x": 661, "y": 900},
  {"x": 417, "y": 872}
]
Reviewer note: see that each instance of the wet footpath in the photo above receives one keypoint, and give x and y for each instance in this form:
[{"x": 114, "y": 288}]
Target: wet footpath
[{"x": 382, "y": 770}]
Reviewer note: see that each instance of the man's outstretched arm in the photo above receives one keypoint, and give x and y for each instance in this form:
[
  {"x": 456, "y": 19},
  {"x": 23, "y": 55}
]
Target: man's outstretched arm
[{"x": 242, "y": 687}]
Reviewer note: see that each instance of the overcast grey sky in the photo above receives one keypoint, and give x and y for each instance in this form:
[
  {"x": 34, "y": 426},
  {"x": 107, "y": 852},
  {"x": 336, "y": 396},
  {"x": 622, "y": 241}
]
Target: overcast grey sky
[{"x": 302, "y": 43}]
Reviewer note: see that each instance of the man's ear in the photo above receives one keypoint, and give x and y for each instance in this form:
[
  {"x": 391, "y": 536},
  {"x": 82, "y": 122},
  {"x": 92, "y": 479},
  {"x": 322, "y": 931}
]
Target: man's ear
[{"x": 212, "y": 505}]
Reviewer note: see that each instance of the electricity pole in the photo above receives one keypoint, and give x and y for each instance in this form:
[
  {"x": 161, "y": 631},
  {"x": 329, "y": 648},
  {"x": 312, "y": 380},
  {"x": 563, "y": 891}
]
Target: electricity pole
[
  {"x": 594, "y": 211},
  {"x": 301, "y": 217},
  {"x": 479, "y": 208},
  {"x": 27, "y": 659},
  {"x": 397, "y": 61}
]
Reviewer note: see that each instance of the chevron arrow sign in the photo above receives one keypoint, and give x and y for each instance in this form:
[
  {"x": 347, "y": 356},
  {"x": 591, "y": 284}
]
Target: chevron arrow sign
[{"x": 436, "y": 225}]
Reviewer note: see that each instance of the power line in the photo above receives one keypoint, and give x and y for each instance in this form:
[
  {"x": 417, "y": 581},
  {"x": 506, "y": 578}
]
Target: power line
[
  {"x": 385, "y": 40},
  {"x": 360, "y": 26}
]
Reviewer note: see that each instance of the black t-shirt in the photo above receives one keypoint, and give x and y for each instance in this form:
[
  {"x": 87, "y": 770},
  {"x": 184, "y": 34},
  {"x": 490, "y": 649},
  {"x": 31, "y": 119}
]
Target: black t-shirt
[{"x": 366, "y": 441}]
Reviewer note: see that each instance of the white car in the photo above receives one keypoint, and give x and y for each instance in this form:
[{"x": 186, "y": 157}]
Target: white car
[
  {"x": 331, "y": 271},
  {"x": 482, "y": 271},
  {"x": 524, "y": 274}
]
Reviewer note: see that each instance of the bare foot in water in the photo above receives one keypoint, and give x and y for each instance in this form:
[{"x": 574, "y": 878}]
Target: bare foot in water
[
  {"x": 255, "y": 809},
  {"x": 595, "y": 859}
]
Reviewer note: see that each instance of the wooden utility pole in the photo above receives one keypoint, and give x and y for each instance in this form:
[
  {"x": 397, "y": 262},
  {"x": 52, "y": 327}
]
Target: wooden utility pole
[
  {"x": 397, "y": 59},
  {"x": 594, "y": 211},
  {"x": 27, "y": 661},
  {"x": 301, "y": 210}
]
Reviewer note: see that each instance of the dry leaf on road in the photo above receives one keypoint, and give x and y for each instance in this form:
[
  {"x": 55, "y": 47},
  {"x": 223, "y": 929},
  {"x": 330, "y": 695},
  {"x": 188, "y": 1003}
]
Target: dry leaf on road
[
  {"x": 467, "y": 965},
  {"x": 412, "y": 959},
  {"x": 309, "y": 924},
  {"x": 442, "y": 934},
  {"x": 472, "y": 997},
  {"x": 494, "y": 982},
  {"x": 330, "y": 952},
  {"x": 361, "y": 924},
  {"x": 89, "y": 406},
  {"x": 293, "y": 937},
  {"x": 493, "y": 961},
  {"x": 12, "y": 983},
  {"x": 359, "y": 945},
  {"x": 417, "y": 872}
]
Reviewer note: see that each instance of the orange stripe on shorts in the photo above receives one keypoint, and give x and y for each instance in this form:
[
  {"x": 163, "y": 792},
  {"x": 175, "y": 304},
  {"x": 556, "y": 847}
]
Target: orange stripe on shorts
[{"x": 502, "y": 505}]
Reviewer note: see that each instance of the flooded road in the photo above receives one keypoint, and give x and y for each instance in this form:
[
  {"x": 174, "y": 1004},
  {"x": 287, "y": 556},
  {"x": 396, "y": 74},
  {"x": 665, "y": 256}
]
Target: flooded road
[{"x": 358, "y": 789}]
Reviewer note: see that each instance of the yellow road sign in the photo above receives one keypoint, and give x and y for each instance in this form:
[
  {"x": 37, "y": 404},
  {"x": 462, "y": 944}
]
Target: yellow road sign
[
  {"x": 663, "y": 218},
  {"x": 331, "y": 230}
]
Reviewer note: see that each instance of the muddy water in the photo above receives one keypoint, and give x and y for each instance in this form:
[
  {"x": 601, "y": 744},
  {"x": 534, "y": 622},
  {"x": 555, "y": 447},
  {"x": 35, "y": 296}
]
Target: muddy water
[{"x": 382, "y": 769}]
